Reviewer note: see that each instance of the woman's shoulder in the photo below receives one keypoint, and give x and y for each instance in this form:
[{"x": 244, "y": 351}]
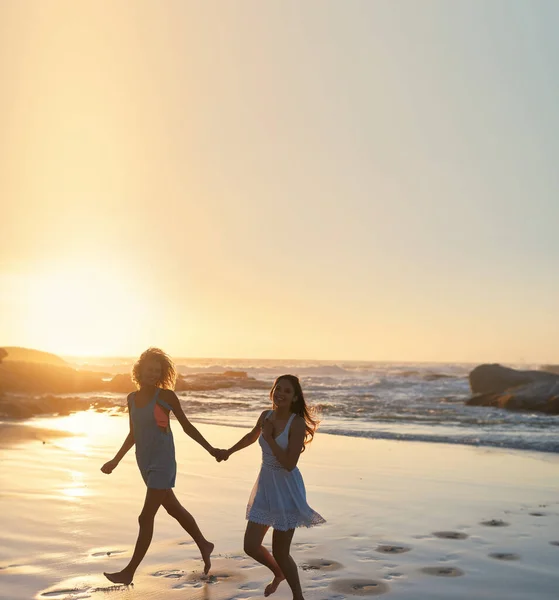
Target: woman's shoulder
[
  {"x": 298, "y": 421},
  {"x": 167, "y": 395},
  {"x": 264, "y": 414}
]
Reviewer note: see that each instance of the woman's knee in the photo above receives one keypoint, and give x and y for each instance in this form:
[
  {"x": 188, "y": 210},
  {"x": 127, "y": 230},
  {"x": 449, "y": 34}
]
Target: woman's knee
[
  {"x": 145, "y": 519},
  {"x": 251, "y": 545},
  {"x": 250, "y": 548}
]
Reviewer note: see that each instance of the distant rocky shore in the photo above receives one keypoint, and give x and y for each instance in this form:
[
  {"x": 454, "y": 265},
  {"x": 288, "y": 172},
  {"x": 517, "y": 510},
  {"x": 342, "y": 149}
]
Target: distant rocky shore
[
  {"x": 41, "y": 373},
  {"x": 30, "y": 384}
]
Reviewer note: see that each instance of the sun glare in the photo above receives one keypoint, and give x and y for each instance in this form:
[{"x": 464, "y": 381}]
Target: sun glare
[
  {"x": 84, "y": 427},
  {"x": 82, "y": 311}
]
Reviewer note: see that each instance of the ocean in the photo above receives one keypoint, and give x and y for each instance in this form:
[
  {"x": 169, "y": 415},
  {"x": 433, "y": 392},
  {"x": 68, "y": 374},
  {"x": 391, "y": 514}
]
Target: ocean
[{"x": 400, "y": 401}]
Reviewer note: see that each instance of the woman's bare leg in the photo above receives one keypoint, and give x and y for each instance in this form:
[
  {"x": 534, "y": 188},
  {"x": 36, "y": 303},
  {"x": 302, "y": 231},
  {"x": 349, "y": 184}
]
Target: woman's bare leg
[
  {"x": 154, "y": 499},
  {"x": 188, "y": 523},
  {"x": 254, "y": 535},
  {"x": 281, "y": 544}
]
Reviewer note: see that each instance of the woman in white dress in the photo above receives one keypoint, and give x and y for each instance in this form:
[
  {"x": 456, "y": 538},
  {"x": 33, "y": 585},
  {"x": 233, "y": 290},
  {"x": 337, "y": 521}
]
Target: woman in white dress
[{"x": 278, "y": 499}]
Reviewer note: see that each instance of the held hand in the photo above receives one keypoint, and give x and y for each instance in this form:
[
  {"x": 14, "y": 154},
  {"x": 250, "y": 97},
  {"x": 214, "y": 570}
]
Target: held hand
[
  {"x": 222, "y": 455},
  {"x": 267, "y": 429},
  {"x": 109, "y": 467}
]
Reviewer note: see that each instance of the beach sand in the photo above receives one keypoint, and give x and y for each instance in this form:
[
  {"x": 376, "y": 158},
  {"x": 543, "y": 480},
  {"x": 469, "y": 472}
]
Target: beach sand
[{"x": 405, "y": 519}]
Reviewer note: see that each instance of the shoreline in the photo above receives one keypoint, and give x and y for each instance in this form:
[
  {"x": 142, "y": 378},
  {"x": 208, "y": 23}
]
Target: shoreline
[{"x": 77, "y": 405}]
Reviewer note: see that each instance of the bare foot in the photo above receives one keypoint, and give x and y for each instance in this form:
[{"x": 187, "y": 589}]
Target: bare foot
[
  {"x": 124, "y": 577},
  {"x": 273, "y": 585},
  {"x": 206, "y": 551}
]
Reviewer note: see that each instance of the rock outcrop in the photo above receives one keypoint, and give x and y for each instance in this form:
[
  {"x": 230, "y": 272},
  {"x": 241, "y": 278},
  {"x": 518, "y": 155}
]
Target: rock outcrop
[
  {"x": 29, "y": 355},
  {"x": 502, "y": 387}
]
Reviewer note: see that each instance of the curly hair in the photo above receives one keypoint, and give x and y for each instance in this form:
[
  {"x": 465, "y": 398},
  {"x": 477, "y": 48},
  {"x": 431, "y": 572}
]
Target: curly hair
[
  {"x": 300, "y": 407},
  {"x": 168, "y": 372}
]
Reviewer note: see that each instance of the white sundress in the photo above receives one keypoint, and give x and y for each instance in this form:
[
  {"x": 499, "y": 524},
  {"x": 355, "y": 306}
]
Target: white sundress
[{"x": 278, "y": 498}]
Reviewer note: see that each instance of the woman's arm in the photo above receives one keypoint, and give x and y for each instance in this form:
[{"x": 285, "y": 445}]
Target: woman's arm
[
  {"x": 129, "y": 442},
  {"x": 249, "y": 438},
  {"x": 172, "y": 400},
  {"x": 289, "y": 457}
]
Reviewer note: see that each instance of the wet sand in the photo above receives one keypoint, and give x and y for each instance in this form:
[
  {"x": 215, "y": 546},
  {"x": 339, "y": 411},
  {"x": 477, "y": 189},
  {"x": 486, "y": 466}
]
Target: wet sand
[{"x": 405, "y": 520}]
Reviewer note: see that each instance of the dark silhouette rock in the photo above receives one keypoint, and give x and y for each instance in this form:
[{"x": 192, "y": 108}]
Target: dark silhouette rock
[
  {"x": 27, "y": 377},
  {"x": 120, "y": 384},
  {"x": 218, "y": 381},
  {"x": 496, "y": 378},
  {"x": 29, "y": 355},
  {"x": 500, "y": 387}
]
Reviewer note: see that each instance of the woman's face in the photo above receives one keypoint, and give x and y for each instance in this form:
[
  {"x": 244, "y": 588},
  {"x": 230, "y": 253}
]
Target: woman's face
[
  {"x": 283, "y": 394},
  {"x": 151, "y": 372}
]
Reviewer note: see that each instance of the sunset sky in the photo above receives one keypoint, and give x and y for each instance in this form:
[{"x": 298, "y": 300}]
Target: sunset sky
[{"x": 371, "y": 180}]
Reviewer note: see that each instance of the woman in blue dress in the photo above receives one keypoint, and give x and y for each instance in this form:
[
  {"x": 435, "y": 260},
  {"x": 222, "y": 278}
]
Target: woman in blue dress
[{"x": 149, "y": 407}]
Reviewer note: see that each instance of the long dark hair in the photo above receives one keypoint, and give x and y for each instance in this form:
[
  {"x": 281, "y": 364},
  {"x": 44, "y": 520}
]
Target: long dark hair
[{"x": 299, "y": 407}]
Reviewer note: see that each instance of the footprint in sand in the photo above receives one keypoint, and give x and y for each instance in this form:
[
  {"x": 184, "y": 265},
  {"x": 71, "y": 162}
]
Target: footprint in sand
[
  {"x": 359, "y": 587},
  {"x": 320, "y": 564},
  {"x": 450, "y": 535},
  {"x": 107, "y": 553},
  {"x": 389, "y": 549},
  {"x": 537, "y": 514},
  {"x": 504, "y": 556},
  {"x": 173, "y": 574},
  {"x": 495, "y": 523},
  {"x": 443, "y": 571}
]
